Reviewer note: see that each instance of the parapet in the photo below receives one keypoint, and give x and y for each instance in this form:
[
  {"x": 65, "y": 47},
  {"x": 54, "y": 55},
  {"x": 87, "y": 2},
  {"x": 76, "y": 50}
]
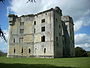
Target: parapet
[
  {"x": 12, "y": 15},
  {"x": 57, "y": 9},
  {"x": 67, "y": 19},
  {"x": 12, "y": 19}
]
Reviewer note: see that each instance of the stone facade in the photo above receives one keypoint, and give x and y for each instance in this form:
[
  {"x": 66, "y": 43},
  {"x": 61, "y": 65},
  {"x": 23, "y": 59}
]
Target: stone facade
[{"x": 45, "y": 34}]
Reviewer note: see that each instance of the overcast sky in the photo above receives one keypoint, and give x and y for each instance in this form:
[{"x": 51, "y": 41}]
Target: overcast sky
[{"x": 78, "y": 9}]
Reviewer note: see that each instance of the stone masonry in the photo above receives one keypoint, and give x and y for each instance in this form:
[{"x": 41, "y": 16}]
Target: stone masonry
[{"x": 45, "y": 34}]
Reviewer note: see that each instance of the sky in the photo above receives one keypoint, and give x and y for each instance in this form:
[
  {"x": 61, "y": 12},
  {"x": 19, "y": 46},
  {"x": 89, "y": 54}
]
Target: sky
[{"x": 79, "y": 10}]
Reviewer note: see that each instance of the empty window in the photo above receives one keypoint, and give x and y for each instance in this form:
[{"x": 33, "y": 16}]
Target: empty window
[
  {"x": 14, "y": 50},
  {"x": 43, "y": 20},
  {"x": 34, "y": 22},
  {"x": 29, "y": 51},
  {"x": 34, "y": 30},
  {"x": 56, "y": 38},
  {"x": 14, "y": 40},
  {"x": 57, "y": 43},
  {"x": 66, "y": 27},
  {"x": 45, "y": 13},
  {"x": 35, "y": 50},
  {"x": 21, "y": 39},
  {"x": 44, "y": 50},
  {"x": 43, "y": 39},
  {"x": 43, "y": 29},
  {"x": 21, "y": 23},
  {"x": 22, "y": 50},
  {"x": 21, "y": 31},
  {"x": 56, "y": 20},
  {"x": 59, "y": 26}
]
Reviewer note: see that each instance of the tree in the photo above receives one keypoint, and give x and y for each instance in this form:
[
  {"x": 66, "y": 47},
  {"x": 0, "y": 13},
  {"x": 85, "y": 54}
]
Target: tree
[
  {"x": 27, "y": 1},
  {"x": 1, "y": 32},
  {"x": 2, "y": 53},
  {"x": 2, "y": 35},
  {"x": 31, "y": 1},
  {"x": 88, "y": 53},
  {"x": 2, "y": 1},
  {"x": 80, "y": 52}
]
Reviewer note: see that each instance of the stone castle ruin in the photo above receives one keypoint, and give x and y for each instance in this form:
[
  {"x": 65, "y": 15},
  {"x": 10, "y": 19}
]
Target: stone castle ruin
[{"x": 45, "y": 34}]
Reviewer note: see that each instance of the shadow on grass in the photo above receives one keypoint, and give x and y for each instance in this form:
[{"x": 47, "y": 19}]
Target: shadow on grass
[{"x": 3, "y": 65}]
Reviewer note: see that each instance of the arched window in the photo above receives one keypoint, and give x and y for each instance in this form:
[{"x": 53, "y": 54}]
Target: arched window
[
  {"x": 44, "y": 50},
  {"x": 35, "y": 50},
  {"x": 56, "y": 38},
  {"x": 14, "y": 50},
  {"x": 34, "y": 22},
  {"x": 14, "y": 40},
  {"x": 34, "y": 30},
  {"x": 22, "y": 50},
  {"x": 29, "y": 50},
  {"x": 43, "y": 39}
]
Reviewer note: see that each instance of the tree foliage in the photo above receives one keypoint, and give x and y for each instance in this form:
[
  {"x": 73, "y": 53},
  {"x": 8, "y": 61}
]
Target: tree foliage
[
  {"x": 80, "y": 52},
  {"x": 27, "y": 1},
  {"x": 31, "y": 1},
  {"x": 2, "y": 35},
  {"x": 2, "y": 53},
  {"x": 2, "y": 1},
  {"x": 88, "y": 53}
]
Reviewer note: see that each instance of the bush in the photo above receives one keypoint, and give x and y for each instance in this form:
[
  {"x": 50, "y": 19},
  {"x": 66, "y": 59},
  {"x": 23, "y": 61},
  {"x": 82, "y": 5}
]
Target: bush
[
  {"x": 2, "y": 53},
  {"x": 80, "y": 52},
  {"x": 88, "y": 53}
]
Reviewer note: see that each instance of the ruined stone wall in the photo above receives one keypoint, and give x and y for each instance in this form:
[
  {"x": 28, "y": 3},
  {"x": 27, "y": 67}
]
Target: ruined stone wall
[
  {"x": 21, "y": 43},
  {"x": 31, "y": 36},
  {"x": 69, "y": 36},
  {"x": 39, "y": 46},
  {"x": 58, "y": 40},
  {"x": 45, "y": 34}
]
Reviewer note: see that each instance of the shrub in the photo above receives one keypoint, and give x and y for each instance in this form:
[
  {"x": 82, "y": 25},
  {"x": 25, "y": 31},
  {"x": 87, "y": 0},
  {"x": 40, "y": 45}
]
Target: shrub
[{"x": 80, "y": 52}]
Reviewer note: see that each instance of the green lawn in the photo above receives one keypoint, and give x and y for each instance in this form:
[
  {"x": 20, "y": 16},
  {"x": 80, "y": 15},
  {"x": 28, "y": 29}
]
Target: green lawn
[{"x": 82, "y": 62}]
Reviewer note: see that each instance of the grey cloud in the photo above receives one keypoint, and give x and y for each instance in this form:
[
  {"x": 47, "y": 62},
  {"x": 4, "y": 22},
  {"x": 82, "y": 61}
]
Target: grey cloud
[
  {"x": 82, "y": 40},
  {"x": 74, "y": 8},
  {"x": 78, "y": 9}
]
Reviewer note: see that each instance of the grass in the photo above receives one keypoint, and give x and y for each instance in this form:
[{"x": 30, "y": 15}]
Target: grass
[{"x": 81, "y": 62}]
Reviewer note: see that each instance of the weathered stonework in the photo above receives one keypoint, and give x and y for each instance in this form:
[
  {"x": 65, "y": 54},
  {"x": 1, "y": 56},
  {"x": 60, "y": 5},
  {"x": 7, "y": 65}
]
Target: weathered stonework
[{"x": 45, "y": 34}]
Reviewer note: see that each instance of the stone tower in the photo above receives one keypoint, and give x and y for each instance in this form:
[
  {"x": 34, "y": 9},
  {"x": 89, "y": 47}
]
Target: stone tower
[
  {"x": 45, "y": 34},
  {"x": 68, "y": 36}
]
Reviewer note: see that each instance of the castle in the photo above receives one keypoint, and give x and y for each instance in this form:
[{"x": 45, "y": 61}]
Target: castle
[{"x": 45, "y": 34}]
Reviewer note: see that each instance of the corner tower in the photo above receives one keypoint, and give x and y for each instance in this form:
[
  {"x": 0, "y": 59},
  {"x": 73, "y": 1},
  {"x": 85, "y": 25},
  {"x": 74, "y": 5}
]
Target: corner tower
[{"x": 69, "y": 36}]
